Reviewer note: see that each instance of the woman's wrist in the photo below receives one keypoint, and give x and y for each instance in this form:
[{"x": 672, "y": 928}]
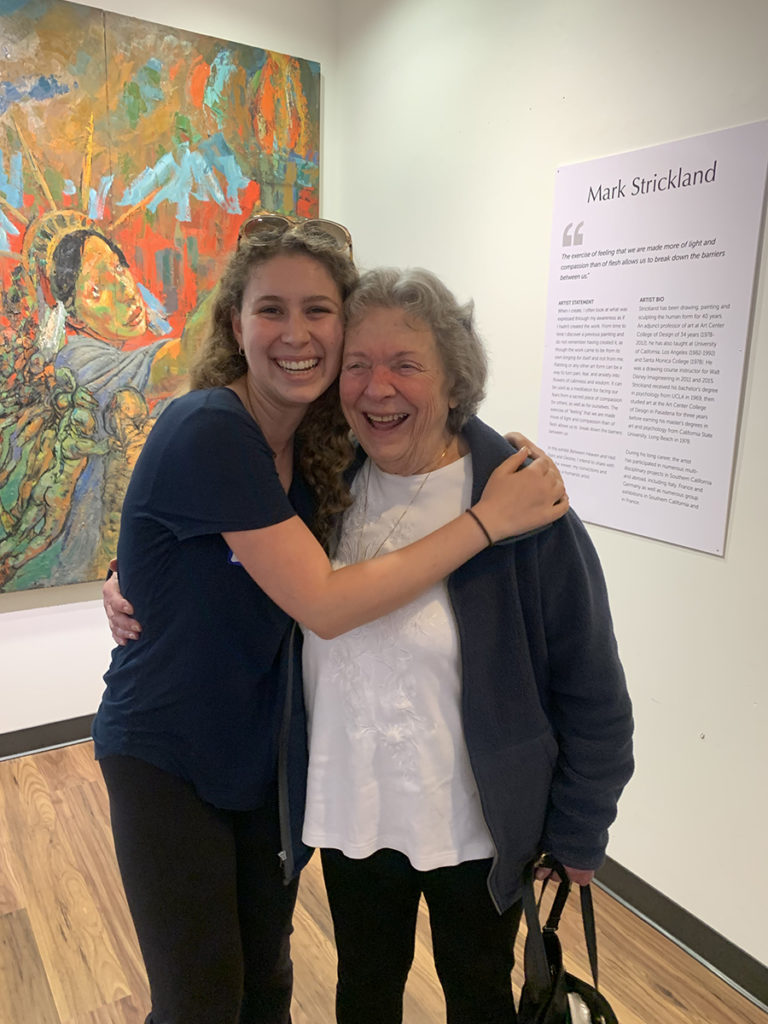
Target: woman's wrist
[{"x": 471, "y": 512}]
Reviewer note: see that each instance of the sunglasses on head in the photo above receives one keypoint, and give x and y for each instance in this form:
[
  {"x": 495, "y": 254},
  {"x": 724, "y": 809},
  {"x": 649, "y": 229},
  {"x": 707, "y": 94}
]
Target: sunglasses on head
[{"x": 276, "y": 222}]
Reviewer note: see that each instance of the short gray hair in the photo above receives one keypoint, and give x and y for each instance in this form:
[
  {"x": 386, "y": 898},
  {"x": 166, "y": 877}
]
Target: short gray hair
[{"x": 423, "y": 297}]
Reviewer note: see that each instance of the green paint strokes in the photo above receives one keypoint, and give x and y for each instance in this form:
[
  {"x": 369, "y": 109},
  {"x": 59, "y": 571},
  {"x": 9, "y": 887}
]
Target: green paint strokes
[
  {"x": 184, "y": 130},
  {"x": 133, "y": 103}
]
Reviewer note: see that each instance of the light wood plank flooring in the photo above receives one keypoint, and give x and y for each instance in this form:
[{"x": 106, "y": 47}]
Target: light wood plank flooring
[{"x": 68, "y": 952}]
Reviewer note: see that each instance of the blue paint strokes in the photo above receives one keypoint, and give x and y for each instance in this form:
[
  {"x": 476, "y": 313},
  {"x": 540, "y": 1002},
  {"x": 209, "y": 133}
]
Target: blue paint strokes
[
  {"x": 171, "y": 178},
  {"x": 190, "y": 173},
  {"x": 11, "y": 6},
  {"x": 81, "y": 62},
  {"x": 69, "y": 188},
  {"x": 7, "y": 227},
  {"x": 179, "y": 185},
  {"x": 222, "y": 70},
  {"x": 45, "y": 88},
  {"x": 306, "y": 169},
  {"x": 8, "y": 94},
  {"x": 147, "y": 181},
  {"x": 97, "y": 200},
  {"x": 42, "y": 88},
  {"x": 148, "y": 81},
  {"x": 11, "y": 190},
  {"x": 206, "y": 183},
  {"x": 167, "y": 261},
  {"x": 179, "y": 188},
  {"x": 17, "y": 179},
  {"x": 155, "y": 311},
  {"x": 11, "y": 187},
  {"x": 219, "y": 156}
]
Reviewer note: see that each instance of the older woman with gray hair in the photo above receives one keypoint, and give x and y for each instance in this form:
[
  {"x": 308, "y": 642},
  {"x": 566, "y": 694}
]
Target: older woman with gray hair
[{"x": 481, "y": 725}]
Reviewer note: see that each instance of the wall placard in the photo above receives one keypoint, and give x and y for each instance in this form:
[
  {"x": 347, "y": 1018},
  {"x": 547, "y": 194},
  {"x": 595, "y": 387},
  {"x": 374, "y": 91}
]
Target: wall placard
[{"x": 652, "y": 276}]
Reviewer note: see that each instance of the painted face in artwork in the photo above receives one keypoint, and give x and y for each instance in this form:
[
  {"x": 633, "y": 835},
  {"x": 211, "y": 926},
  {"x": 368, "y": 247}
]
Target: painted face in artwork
[{"x": 107, "y": 303}]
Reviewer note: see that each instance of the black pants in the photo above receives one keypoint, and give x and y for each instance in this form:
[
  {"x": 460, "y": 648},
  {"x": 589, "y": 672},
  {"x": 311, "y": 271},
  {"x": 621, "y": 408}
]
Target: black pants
[
  {"x": 374, "y": 903},
  {"x": 206, "y": 894}
]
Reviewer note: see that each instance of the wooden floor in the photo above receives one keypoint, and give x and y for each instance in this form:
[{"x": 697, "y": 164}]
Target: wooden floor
[{"x": 68, "y": 953}]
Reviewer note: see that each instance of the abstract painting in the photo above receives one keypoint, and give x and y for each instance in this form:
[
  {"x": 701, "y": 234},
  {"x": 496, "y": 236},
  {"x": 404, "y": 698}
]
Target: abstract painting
[{"x": 130, "y": 153}]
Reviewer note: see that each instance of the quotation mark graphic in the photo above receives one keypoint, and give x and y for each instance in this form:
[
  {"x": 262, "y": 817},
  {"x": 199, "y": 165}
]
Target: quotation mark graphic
[{"x": 577, "y": 238}]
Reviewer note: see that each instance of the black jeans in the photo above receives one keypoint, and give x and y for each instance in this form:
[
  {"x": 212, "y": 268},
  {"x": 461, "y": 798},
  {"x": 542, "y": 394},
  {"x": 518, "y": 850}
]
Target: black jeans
[
  {"x": 374, "y": 903},
  {"x": 205, "y": 890}
]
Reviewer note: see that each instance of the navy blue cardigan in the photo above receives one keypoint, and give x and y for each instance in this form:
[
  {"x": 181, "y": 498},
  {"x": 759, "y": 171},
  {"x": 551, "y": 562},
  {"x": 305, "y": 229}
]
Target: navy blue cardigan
[
  {"x": 547, "y": 718},
  {"x": 546, "y": 714}
]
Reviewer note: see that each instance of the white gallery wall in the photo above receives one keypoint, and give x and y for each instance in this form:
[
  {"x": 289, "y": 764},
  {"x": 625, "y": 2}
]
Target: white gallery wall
[
  {"x": 452, "y": 119},
  {"x": 444, "y": 123}
]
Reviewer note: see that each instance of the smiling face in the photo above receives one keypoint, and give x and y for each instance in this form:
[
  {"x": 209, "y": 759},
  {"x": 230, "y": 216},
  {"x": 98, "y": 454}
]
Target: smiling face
[
  {"x": 395, "y": 392},
  {"x": 290, "y": 327},
  {"x": 106, "y": 303}
]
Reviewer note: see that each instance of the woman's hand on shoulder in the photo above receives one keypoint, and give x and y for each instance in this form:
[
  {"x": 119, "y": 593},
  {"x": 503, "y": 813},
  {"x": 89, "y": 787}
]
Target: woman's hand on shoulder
[
  {"x": 518, "y": 498},
  {"x": 119, "y": 612},
  {"x": 518, "y": 440}
]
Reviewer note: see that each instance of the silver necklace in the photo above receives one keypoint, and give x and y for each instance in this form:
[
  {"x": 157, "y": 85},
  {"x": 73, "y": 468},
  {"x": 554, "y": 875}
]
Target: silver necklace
[{"x": 400, "y": 518}]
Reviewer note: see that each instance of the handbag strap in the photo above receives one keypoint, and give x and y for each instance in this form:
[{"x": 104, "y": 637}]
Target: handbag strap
[
  {"x": 537, "y": 974},
  {"x": 538, "y": 955},
  {"x": 558, "y": 903},
  {"x": 590, "y": 933}
]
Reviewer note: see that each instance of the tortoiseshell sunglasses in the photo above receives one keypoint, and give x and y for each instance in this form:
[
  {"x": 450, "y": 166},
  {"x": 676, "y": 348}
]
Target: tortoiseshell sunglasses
[{"x": 276, "y": 222}]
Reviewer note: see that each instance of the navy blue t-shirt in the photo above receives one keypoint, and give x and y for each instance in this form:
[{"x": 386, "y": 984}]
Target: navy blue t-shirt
[{"x": 200, "y": 693}]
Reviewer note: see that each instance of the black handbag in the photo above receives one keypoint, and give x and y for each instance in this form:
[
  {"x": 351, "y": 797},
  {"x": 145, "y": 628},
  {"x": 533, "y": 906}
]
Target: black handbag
[{"x": 551, "y": 995}]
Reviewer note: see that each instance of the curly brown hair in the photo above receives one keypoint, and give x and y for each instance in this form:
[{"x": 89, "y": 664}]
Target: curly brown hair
[{"x": 323, "y": 437}]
